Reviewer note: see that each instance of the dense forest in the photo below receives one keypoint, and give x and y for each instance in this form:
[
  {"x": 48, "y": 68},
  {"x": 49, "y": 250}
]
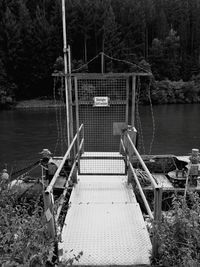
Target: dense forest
[{"x": 165, "y": 34}]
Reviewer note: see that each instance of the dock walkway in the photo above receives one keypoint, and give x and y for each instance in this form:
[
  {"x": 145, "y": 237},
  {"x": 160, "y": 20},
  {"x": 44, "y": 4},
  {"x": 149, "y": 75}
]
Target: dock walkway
[{"x": 104, "y": 220}]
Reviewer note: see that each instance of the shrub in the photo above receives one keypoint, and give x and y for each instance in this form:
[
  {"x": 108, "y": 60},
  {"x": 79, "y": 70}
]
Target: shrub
[
  {"x": 22, "y": 234},
  {"x": 169, "y": 92},
  {"x": 179, "y": 233}
]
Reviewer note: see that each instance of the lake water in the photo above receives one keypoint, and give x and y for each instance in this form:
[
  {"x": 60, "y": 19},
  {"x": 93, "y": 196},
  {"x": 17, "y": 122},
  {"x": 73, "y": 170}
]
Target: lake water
[{"x": 24, "y": 133}]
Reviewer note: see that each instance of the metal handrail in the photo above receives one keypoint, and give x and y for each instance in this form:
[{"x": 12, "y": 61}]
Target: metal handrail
[
  {"x": 122, "y": 144},
  {"x": 48, "y": 196},
  {"x": 62, "y": 200},
  {"x": 141, "y": 192},
  {"x": 157, "y": 196},
  {"x": 153, "y": 182},
  {"x": 157, "y": 188},
  {"x": 50, "y": 186},
  {"x": 67, "y": 185}
]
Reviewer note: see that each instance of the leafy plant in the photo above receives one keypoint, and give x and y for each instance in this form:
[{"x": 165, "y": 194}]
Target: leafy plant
[
  {"x": 22, "y": 234},
  {"x": 179, "y": 233}
]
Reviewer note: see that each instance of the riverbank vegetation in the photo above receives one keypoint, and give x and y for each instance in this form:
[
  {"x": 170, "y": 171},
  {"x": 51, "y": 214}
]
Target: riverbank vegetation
[
  {"x": 179, "y": 233},
  {"x": 24, "y": 240},
  {"x": 38, "y": 103},
  {"x": 164, "y": 34},
  {"x": 23, "y": 229},
  {"x": 172, "y": 92}
]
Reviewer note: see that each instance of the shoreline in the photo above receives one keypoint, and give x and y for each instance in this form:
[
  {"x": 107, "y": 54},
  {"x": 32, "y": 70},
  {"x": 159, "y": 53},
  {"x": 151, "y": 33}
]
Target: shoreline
[
  {"x": 47, "y": 104},
  {"x": 35, "y": 103}
]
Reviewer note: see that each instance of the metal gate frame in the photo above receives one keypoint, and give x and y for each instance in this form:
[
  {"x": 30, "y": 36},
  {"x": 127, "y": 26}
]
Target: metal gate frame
[
  {"x": 72, "y": 100},
  {"x": 95, "y": 76}
]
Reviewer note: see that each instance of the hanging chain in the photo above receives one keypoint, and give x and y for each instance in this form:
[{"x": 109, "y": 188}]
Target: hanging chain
[
  {"x": 60, "y": 117},
  {"x": 139, "y": 123},
  {"x": 65, "y": 117},
  {"x": 56, "y": 111}
]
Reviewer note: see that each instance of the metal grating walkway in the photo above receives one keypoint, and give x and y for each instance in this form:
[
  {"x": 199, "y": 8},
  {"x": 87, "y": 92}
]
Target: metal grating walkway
[{"x": 105, "y": 222}]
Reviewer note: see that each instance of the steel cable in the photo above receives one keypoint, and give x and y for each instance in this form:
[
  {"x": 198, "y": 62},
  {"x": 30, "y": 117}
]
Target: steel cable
[{"x": 153, "y": 119}]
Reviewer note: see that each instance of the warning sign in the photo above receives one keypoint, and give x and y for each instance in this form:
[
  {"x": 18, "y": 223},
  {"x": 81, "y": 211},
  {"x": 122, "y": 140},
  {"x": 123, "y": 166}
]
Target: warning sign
[{"x": 101, "y": 101}]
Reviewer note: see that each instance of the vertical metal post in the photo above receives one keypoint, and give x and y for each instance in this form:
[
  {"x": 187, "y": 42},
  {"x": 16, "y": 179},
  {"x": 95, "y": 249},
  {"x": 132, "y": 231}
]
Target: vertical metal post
[
  {"x": 157, "y": 218},
  {"x": 70, "y": 95},
  {"x": 133, "y": 101},
  {"x": 157, "y": 203},
  {"x": 49, "y": 214},
  {"x": 102, "y": 62},
  {"x": 77, "y": 121},
  {"x": 83, "y": 133},
  {"x": 127, "y": 100},
  {"x": 65, "y": 69}
]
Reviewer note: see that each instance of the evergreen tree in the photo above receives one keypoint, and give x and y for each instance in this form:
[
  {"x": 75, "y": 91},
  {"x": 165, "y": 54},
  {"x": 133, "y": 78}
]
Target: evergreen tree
[
  {"x": 84, "y": 21},
  {"x": 42, "y": 48},
  {"x": 25, "y": 68},
  {"x": 165, "y": 57},
  {"x": 11, "y": 44},
  {"x": 31, "y": 38},
  {"x": 56, "y": 39},
  {"x": 161, "y": 26},
  {"x": 110, "y": 34}
]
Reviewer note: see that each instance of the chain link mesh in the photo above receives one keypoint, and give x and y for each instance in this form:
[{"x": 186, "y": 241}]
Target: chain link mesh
[{"x": 98, "y": 121}]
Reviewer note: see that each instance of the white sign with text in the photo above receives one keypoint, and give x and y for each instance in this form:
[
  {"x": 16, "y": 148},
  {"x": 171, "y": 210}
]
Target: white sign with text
[{"x": 101, "y": 101}]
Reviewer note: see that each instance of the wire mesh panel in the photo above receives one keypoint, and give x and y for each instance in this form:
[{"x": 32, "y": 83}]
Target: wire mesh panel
[{"x": 102, "y": 108}]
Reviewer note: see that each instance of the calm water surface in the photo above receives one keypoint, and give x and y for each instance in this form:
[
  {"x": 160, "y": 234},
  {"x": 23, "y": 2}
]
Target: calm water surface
[
  {"x": 177, "y": 128},
  {"x": 24, "y": 133}
]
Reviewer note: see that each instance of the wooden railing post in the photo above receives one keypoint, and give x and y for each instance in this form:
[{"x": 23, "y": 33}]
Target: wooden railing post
[
  {"x": 157, "y": 219},
  {"x": 48, "y": 205}
]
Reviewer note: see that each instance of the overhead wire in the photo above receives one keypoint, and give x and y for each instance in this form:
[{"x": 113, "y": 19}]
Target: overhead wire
[
  {"x": 20, "y": 177},
  {"x": 112, "y": 58},
  {"x": 56, "y": 113},
  {"x": 86, "y": 64},
  {"x": 139, "y": 123},
  {"x": 26, "y": 170},
  {"x": 65, "y": 118},
  {"x": 127, "y": 62},
  {"x": 152, "y": 117},
  {"x": 60, "y": 117}
]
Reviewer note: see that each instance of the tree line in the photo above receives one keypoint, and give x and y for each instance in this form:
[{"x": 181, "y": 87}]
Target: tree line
[{"x": 165, "y": 34}]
